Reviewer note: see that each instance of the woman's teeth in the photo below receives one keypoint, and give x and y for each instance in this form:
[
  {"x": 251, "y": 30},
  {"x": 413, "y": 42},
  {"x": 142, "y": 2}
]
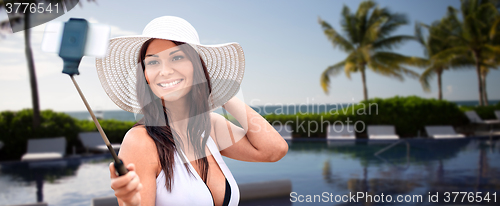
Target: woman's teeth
[{"x": 170, "y": 84}]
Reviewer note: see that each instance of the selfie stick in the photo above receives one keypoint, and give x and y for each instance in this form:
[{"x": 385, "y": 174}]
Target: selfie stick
[{"x": 71, "y": 51}]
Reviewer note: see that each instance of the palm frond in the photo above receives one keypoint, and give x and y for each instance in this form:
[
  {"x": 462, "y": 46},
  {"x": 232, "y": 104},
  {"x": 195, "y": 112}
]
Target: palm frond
[
  {"x": 494, "y": 28},
  {"x": 335, "y": 38},
  {"x": 348, "y": 25},
  {"x": 492, "y": 48},
  {"x": 385, "y": 70},
  {"x": 395, "y": 21},
  {"x": 451, "y": 53},
  {"x": 330, "y": 71},
  {"x": 350, "y": 67},
  {"x": 418, "y": 33},
  {"x": 426, "y": 76},
  {"x": 372, "y": 33},
  {"x": 392, "y": 42}
]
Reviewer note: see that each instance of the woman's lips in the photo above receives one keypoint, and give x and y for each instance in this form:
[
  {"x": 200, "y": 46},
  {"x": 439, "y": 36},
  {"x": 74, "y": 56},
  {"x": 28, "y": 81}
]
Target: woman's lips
[{"x": 171, "y": 84}]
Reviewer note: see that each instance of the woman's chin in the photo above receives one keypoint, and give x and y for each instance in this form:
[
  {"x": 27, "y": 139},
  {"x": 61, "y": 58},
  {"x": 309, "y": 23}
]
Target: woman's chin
[{"x": 172, "y": 96}]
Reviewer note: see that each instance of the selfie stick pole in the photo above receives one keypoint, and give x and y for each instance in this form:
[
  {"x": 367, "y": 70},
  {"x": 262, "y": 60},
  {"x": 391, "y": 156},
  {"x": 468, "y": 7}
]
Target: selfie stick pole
[
  {"x": 120, "y": 168},
  {"x": 71, "y": 51}
]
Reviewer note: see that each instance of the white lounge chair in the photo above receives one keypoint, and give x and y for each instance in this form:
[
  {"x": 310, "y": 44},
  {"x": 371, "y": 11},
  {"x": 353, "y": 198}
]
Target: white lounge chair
[
  {"x": 284, "y": 130},
  {"x": 45, "y": 149},
  {"x": 497, "y": 113},
  {"x": 340, "y": 132},
  {"x": 92, "y": 141},
  {"x": 382, "y": 132},
  {"x": 442, "y": 132},
  {"x": 474, "y": 118}
]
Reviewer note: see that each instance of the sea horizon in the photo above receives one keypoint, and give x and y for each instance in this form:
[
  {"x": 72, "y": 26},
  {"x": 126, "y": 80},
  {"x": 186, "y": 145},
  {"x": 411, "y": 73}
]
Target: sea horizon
[{"x": 122, "y": 115}]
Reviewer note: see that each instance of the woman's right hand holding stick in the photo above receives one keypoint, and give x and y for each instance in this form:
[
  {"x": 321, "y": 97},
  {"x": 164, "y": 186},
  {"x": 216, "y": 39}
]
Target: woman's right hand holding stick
[{"x": 127, "y": 187}]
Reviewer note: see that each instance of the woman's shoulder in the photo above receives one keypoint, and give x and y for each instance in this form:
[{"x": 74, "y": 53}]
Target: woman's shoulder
[
  {"x": 138, "y": 137},
  {"x": 138, "y": 146}
]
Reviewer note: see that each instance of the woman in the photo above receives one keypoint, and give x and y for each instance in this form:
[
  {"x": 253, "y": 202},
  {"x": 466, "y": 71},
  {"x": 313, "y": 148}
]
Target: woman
[{"x": 173, "y": 153}]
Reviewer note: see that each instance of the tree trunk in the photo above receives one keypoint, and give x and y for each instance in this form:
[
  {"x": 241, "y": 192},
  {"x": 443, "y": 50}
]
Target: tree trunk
[
  {"x": 363, "y": 78},
  {"x": 31, "y": 71},
  {"x": 485, "y": 93},
  {"x": 480, "y": 81},
  {"x": 440, "y": 87}
]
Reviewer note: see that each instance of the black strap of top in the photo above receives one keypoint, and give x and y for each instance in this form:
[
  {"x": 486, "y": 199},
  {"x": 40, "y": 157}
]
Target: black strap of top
[{"x": 227, "y": 194}]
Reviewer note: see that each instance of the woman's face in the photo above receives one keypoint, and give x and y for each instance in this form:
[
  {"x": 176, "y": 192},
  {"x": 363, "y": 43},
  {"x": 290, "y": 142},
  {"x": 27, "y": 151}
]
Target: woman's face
[{"x": 168, "y": 70}]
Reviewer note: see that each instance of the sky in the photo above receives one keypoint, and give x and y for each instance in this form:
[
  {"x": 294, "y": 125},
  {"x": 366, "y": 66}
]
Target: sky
[{"x": 285, "y": 51}]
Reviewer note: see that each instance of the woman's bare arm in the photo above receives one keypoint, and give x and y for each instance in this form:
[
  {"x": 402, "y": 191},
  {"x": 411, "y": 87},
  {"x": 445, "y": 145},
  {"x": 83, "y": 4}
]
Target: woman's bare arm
[
  {"x": 257, "y": 141},
  {"x": 138, "y": 148}
]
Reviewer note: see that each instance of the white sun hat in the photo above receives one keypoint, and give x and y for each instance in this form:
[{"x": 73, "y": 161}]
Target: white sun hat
[{"x": 117, "y": 70}]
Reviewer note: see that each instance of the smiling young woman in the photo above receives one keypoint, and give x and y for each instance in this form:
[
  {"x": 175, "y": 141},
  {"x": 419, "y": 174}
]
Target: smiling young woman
[{"x": 174, "y": 153}]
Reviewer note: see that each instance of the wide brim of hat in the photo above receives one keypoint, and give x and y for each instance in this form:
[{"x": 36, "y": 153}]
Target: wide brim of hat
[{"x": 117, "y": 71}]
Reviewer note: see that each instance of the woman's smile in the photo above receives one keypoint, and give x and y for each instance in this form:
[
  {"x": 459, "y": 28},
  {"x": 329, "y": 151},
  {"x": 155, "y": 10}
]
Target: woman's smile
[{"x": 169, "y": 84}]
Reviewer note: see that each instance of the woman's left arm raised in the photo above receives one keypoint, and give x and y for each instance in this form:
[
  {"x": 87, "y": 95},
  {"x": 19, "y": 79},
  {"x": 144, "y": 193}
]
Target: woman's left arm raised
[{"x": 257, "y": 141}]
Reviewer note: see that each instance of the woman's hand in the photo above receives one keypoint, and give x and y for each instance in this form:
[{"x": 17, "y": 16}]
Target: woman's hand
[{"x": 126, "y": 187}]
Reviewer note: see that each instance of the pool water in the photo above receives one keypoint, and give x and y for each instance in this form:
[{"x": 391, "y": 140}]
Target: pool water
[{"x": 416, "y": 167}]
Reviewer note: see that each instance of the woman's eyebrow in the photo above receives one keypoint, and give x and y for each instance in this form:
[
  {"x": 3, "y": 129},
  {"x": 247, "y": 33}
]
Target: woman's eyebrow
[
  {"x": 154, "y": 55},
  {"x": 174, "y": 52}
]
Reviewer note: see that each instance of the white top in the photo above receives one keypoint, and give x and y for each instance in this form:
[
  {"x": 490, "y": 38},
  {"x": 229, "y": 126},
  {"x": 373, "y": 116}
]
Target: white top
[{"x": 188, "y": 188}]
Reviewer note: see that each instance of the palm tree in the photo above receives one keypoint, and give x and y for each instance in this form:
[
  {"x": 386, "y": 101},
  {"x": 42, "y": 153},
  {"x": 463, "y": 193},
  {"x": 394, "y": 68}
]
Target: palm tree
[
  {"x": 474, "y": 35},
  {"x": 437, "y": 41},
  {"x": 492, "y": 60},
  {"x": 368, "y": 43},
  {"x": 24, "y": 20}
]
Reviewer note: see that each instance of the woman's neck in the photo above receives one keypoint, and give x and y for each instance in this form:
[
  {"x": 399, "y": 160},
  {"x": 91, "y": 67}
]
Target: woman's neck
[
  {"x": 177, "y": 110},
  {"x": 178, "y": 115}
]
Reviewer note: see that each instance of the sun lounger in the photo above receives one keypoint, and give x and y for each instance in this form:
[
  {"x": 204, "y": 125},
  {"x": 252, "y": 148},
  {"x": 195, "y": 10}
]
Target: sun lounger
[
  {"x": 284, "y": 130},
  {"x": 442, "y": 132},
  {"x": 474, "y": 118},
  {"x": 92, "y": 141},
  {"x": 340, "y": 132},
  {"x": 45, "y": 149},
  {"x": 497, "y": 113},
  {"x": 382, "y": 132}
]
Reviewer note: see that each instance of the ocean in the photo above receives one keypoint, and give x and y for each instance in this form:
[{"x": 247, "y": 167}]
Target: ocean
[{"x": 263, "y": 110}]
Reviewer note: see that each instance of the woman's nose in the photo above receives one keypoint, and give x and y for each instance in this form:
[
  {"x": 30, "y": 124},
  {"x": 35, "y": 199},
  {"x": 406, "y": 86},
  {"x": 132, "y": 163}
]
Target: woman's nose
[{"x": 166, "y": 69}]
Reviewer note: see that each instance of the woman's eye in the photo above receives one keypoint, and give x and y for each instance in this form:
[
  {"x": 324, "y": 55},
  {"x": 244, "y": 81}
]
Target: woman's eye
[
  {"x": 153, "y": 62},
  {"x": 179, "y": 57}
]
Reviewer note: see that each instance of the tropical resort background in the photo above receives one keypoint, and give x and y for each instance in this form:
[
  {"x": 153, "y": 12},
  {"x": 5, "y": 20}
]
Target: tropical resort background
[{"x": 412, "y": 162}]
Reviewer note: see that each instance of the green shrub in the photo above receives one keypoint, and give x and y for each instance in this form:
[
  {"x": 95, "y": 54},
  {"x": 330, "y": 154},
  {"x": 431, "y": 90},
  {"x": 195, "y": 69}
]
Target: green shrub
[
  {"x": 411, "y": 114},
  {"x": 408, "y": 114},
  {"x": 115, "y": 130},
  {"x": 17, "y": 128}
]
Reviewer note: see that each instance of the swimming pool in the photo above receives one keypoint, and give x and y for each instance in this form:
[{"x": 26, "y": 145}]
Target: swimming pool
[{"x": 413, "y": 168}]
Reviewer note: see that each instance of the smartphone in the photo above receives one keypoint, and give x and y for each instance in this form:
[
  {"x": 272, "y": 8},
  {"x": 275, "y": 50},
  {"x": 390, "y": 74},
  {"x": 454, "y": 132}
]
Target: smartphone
[{"x": 96, "y": 44}]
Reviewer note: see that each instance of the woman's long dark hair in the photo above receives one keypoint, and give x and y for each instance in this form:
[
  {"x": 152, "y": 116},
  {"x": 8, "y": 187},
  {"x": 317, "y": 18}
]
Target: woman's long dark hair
[{"x": 156, "y": 119}]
